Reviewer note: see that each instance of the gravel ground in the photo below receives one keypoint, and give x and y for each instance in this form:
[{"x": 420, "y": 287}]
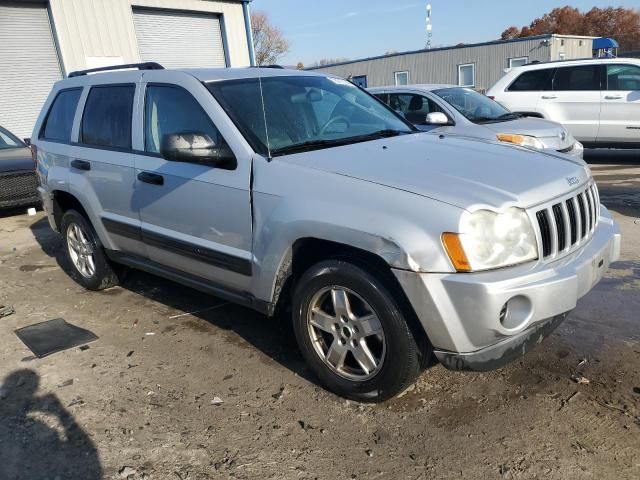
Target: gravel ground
[{"x": 184, "y": 386}]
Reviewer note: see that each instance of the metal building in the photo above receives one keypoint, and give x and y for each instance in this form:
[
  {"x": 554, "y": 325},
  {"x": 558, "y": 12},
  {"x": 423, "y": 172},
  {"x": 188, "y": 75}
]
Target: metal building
[
  {"x": 477, "y": 65},
  {"x": 43, "y": 40}
]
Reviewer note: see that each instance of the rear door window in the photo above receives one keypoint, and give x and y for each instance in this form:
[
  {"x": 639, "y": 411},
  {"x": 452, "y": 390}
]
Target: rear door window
[
  {"x": 583, "y": 78},
  {"x": 106, "y": 121},
  {"x": 623, "y": 77},
  {"x": 57, "y": 126},
  {"x": 532, "y": 81}
]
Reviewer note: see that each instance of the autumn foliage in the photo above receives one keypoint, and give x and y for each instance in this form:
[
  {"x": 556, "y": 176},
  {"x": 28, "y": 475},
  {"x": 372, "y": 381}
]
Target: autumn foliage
[{"x": 621, "y": 24}]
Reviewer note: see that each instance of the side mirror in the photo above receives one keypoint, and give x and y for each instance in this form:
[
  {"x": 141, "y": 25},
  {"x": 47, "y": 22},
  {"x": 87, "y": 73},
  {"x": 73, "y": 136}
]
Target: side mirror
[
  {"x": 196, "y": 147},
  {"x": 437, "y": 118}
]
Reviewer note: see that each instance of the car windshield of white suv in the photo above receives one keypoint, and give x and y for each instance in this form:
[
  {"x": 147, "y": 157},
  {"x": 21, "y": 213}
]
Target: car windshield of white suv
[
  {"x": 304, "y": 113},
  {"x": 8, "y": 140},
  {"x": 476, "y": 107}
]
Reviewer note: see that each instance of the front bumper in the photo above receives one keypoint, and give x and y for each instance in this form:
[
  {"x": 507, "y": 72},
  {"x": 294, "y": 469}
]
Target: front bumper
[
  {"x": 464, "y": 314},
  {"x": 18, "y": 189}
]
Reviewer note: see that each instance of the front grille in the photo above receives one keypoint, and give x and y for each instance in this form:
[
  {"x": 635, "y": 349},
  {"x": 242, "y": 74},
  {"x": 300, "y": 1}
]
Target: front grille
[
  {"x": 565, "y": 225},
  {"x": 17, "y": 188}
]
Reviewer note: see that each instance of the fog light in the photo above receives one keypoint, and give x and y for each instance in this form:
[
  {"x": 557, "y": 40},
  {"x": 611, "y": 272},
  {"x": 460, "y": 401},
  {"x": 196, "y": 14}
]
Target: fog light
[{"x": 515, "y": 313}]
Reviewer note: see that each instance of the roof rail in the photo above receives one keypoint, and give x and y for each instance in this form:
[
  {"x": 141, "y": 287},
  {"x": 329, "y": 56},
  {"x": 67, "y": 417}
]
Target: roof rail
[
  {"x": 544, "y": 62},
  {"x": 139, "y": 66},
  {"x": 268, "y": 66}
]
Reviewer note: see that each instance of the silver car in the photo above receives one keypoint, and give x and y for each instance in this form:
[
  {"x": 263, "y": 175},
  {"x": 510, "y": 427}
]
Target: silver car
[
  {"x": 463, "y": 111},
  {"x": 301, "y": 195}
]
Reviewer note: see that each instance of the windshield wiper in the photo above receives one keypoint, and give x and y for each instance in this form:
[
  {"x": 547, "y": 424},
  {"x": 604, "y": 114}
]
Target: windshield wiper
[
  {"x": 308, "y": 145},
  {"x": 317, "y": 144},
  {"x": 500, "y": 118}
]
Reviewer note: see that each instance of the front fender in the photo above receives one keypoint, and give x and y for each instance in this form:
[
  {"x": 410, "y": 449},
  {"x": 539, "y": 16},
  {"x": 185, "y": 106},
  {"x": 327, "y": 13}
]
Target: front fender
[{"x": 400, "y": 227}]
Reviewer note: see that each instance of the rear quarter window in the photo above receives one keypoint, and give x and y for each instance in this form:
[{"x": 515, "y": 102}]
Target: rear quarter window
[
  {"x": 106, "y": 121},
  {"x": 532, "y": 81},
  {"x": 59, "y": 120}
]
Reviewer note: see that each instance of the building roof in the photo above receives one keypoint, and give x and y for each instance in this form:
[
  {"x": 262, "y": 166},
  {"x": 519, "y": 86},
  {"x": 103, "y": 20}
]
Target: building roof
[{"x": 451, "y": 47}]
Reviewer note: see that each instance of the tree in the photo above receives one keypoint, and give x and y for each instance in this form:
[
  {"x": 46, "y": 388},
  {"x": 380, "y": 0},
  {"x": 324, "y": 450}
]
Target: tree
[
  {"x": 300, "y": 66},
  {"x": 622, "y": 24},
  {"x": 269, "y": 43}
]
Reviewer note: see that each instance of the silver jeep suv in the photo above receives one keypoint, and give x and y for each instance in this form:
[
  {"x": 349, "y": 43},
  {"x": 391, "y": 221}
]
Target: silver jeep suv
[{"x": 300, "y": 194}]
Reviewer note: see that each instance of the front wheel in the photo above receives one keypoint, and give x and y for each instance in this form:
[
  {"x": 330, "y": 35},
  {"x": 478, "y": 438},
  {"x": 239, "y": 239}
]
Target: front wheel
[
  {"x": 352, "y": 332},
  {"x": 89, "y": 265}
]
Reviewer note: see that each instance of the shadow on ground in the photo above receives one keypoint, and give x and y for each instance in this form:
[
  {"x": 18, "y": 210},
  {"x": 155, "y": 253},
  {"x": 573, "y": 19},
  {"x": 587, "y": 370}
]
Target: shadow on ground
[
  {"x": 272, "y": 336},
  {"x": 39, "y": 438}
]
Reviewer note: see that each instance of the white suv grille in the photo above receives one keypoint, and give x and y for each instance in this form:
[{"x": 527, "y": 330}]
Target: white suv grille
[{"x": 565, "y": 225}]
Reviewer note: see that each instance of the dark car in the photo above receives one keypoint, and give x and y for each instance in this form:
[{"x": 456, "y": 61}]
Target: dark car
[{"x": 18, "y": 183}]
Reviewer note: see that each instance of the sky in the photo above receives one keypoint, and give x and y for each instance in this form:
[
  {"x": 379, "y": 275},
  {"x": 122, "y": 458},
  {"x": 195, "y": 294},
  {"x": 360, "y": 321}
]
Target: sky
[{"x": 360, "y": 28}]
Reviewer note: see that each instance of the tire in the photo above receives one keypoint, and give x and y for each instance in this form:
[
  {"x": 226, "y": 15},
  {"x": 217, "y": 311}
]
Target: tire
[
  {"x": 375, "y": 367},
  {"x": 99, "y": 274}
]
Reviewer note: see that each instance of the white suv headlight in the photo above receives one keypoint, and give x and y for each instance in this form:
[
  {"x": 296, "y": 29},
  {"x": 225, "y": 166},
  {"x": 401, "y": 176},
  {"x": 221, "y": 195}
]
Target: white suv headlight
[
  {"x": 490, "y": 240},
  {"x": 522, "y": 140}
]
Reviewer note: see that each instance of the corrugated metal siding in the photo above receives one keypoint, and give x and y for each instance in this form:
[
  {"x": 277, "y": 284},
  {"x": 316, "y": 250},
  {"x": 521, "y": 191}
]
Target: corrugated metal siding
[
  {"x": 441, "y": 66},
  {"x": 105, "y": 28},
  {"x": 28, "y": 65},
  {"x": 179, "y": 39},
  {"x": 571, "y": 48}
]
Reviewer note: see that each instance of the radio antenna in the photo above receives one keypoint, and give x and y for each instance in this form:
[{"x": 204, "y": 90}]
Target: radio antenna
[{"x": 429, "y": 26}]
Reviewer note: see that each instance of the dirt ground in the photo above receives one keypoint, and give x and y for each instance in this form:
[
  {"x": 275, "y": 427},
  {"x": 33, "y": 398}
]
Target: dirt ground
[{"x": 140, "y": 402}]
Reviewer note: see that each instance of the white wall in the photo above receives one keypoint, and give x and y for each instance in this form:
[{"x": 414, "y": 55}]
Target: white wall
[{"x": 87, "y": 30}]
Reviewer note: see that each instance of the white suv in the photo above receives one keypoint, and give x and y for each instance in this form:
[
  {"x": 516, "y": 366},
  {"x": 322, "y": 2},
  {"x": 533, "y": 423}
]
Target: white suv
[{"x": 598, "y": 100}]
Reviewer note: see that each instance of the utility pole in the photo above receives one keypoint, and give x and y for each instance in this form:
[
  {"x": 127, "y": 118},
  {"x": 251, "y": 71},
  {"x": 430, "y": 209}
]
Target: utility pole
[{"x": 429, "y": 26}]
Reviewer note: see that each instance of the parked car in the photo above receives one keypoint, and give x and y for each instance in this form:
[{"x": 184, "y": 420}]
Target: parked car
[
  {"x": 18, "y": 183},
  {"x": 384, "y": 243},
  {"x": 598, "y": 100},
  {"x": 463, "y": 111}
]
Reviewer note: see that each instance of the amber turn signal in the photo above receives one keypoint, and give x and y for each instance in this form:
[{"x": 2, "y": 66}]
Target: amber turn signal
[{"x": 453, "y": 247}]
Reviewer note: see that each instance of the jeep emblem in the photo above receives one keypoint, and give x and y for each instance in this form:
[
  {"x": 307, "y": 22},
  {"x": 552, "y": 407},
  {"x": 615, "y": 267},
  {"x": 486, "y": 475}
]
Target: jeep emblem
[{"x": 572, "y": 181}]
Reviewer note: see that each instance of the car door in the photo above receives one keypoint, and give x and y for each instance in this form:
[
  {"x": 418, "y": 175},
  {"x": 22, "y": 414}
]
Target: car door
[
  {"x": 574, "y": 100},
  {"x": 415, "y": 108},
  {"x": 620, "y": 111},
  {"x": 101, "y": 166},
  {"x": 523, "y": 94},
  {"x": 196, "y": 218}
]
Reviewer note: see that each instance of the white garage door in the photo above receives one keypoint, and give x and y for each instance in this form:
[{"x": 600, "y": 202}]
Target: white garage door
[
  {"x": 28, "y": 65},
  {"x": 179, "y": 40}
]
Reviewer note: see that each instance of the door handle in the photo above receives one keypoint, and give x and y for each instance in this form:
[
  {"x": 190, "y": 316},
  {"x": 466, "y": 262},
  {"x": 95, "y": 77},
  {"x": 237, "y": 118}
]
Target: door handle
[
  {"x": 152, "y": 178},
  {"x": 549, "y": 97},
  {"x": 81, "y": 165},
  {"x": 613, "y": 97}
]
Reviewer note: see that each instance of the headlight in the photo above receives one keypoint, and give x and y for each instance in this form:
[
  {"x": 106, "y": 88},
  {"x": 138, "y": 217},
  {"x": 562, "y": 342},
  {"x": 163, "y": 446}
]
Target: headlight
[
  {"x": 491, "y": 240},
  {"x": 522, "y": 140}
]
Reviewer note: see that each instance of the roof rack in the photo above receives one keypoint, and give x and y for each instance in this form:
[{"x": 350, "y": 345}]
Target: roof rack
[
  {"x": 268, "y": 66},
  {"x": 139, "y": 66},
  {"x": 544, "y": 62}
]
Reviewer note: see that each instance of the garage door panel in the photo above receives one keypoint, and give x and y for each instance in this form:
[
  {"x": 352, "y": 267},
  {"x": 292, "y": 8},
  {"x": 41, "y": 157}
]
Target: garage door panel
[
  {"x": 29, "y": 65},
  {"x": 179, "y": 39}
]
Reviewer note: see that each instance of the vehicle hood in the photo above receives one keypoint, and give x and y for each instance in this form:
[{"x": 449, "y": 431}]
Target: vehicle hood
[
  {"x": 550, "y": 133},
  {"x": 467, "y": 173},
  {"x": 12, "y": 159}
]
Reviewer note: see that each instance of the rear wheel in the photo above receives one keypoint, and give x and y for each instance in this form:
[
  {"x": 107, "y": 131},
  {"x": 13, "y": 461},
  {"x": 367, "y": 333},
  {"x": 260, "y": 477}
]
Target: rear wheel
[
  {"x": 352, "y": 332},
  {"x": 89, "y": 265}
]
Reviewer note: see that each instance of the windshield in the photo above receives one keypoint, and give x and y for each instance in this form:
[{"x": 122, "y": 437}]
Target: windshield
[
  {"x": 8, "y": 140},
  {"x": 305, "y": 113},
  {"x": 475, "y": 106}
]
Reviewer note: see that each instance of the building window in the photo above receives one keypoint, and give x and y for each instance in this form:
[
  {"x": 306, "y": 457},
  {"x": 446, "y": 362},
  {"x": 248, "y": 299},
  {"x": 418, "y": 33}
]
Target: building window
[
  {"x": 580, "y": 43},
  {"x": 360, "y": 80},
  {"x": 467, "y": 75},
  {"x": 402, "y": 78},
  {"x": 518, "y": 61}
]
